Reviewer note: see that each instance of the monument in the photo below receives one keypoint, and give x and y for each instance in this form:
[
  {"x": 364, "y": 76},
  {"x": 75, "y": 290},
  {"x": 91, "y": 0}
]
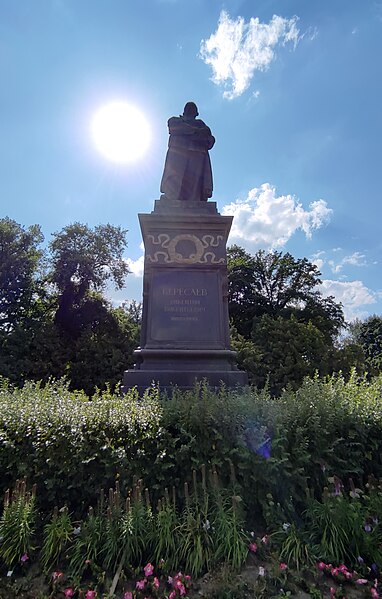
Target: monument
[{"x": 185, "y": 326}]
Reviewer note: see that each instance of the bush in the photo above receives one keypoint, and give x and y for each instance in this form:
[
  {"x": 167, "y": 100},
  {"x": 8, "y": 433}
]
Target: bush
[{"x": 279, "y": 448}]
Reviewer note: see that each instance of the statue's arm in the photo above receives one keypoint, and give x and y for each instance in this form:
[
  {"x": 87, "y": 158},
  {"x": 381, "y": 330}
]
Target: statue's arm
[{"x": 177, "y": 126}]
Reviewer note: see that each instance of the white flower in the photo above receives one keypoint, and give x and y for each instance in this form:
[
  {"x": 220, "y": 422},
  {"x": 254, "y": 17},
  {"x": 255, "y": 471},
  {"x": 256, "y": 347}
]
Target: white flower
[
  {"x": 286, "y": 525},
  {"x": 261, "y": 571},
  {"x": 207, "y": 525}
]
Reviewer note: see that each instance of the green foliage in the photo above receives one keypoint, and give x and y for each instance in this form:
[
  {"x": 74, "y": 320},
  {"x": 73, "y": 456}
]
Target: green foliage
[
  {"x": 61, "y": 439},
  {"x": 279, "y": 447},
  {"x": 344, "y": 525},
  {"x": 370, "y": 338},
  {"x": 19, "y": 259},
  {"x": 57, "y": 535},
  {"x": 278, "y": 285},
  {"x": 58, "y": 324},
  {"x": 83, "y": 258},
  {"x": 294, "y": 549},
  {"x": 17, "y": 524},
  {"x": 282, "y": 327},
  {"x": 89, "y": 542},
  {"x": 231, "y": 540},
  {"x": 164, "y": 536},
  {"x": 306, "y": 352},
  {"x": 273, "y": 456}
]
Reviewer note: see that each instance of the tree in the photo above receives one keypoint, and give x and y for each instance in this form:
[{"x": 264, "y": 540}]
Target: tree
[
  {"x": 284, "y": 329},
  {"x": 20, "y": 257},
  {"x": 290, "y": 350},
  {"x": 278, "y": 285},
  {"x": 83, "y": 261},
  {"x": 368, "y": 334},
  {"x": 58, "y": 323},
  {"x": 103, "y": 352}
]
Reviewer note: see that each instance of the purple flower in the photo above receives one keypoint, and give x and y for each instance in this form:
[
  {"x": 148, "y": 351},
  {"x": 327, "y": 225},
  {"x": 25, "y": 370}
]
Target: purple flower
[{"x": 24, "y": 558}]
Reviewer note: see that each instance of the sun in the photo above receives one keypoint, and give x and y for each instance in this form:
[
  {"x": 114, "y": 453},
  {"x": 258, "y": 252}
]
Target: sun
[{"x": 120, "y": 132}]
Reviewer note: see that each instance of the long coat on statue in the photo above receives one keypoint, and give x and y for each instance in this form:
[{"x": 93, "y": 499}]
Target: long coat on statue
[{"x": 187, "y": 172}]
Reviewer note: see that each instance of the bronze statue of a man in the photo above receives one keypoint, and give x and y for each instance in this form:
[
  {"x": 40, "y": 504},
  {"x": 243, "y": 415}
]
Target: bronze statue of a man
[{"x": 187, "y": 172}]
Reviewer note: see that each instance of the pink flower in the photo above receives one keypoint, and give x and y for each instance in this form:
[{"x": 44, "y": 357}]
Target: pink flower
[
  {"x": 68, "y": 592},
  {"x": 332, "y": 591},
  {"x": 56, "y": 575},
  {"x": 187, "y": 577},
  {"x": 265, "y": 539},
  {"x": 148, "y": 570},
  {"x": 252, "y": 547},
  {"x": 283, "y": 566},
  {"x": 128, "y": 595},
  {"x": 90, "y": 594},
  {"x": 180, "y": 586},
  {"x": 156, "y": 582},
  {"x": 374, "y": 593},
  {"x": 170, "y": 580},
  {"x": 172, "y": 595},
  {"x": 321, "y": 565},
  {"x": 342, "y": 568},
  {"x": 24, "y": 558},
  {"x": 141, "y": 584},
  {"x": 361, "y": 581}
]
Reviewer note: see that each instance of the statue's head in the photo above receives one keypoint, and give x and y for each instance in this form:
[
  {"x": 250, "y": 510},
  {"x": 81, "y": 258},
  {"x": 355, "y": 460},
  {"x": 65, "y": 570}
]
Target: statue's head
[{"x": 190, "y": 110}]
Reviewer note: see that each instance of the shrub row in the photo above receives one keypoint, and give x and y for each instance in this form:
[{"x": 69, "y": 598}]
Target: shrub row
[{"x": 71, "y": 446}]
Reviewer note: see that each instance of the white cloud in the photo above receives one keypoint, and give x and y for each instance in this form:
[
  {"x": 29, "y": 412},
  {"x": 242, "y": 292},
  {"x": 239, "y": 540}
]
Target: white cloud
[
  {"x": 136, "y": 266},
  {"x": 355, "y": 259},
  {"x": 317, "y": 260},
  {"x": 353, "y": 295},
  {"x": 237, "y": 49},
  {"x": 311, "y": 33},
  {"x": 268, "y": 221}
]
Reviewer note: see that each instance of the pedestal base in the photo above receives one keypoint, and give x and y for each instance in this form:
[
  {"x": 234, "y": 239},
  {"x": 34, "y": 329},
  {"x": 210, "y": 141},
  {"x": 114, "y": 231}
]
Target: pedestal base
[
  {"x": 183, "y": 368},
  {"x": 167, "y": 379},
  {"x": 185, "y": 324}
]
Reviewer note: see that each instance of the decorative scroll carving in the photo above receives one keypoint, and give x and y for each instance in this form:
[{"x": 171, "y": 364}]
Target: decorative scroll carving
[{"x": 171, "y": 252}]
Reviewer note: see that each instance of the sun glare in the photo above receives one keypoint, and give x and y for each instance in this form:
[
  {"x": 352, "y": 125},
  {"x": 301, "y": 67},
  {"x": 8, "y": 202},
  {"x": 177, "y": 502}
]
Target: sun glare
[{"x": 120, "y": 132}]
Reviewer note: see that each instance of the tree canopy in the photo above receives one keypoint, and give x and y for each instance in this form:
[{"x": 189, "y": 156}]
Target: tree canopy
[
  {"x": 283, "y": 327},
  {"x": 277, "y": 284},
  {"x": 20, "y": 256},
  {"x": 54, "y": 320}
]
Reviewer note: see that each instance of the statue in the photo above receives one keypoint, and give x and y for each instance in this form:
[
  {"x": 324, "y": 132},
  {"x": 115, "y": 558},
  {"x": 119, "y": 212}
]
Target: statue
[{"x": 187, "y": 172}]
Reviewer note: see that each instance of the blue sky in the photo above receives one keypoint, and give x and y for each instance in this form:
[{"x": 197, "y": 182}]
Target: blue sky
[{"x": 291, "y": 89}]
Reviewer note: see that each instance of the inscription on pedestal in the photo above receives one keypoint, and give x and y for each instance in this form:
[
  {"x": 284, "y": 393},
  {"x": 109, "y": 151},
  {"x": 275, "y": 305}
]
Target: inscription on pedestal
[{"x": 184, "y": 307}]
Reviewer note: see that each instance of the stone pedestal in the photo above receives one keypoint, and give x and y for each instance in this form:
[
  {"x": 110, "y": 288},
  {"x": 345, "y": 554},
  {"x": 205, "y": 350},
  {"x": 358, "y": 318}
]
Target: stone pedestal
[{"x": 185, "y": 329}]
